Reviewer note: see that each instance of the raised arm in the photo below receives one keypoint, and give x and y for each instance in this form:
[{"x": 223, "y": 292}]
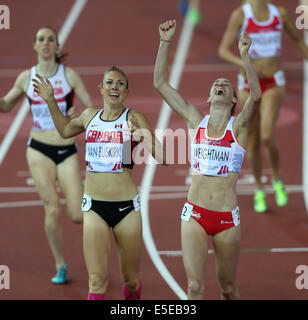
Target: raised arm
[
  {"x": 67, "y": 128},
  {"x": 244, "y": 118},
  {"x": 8, "y": 102},
  {"x": 187, "y": 111},
  {"x": 229, "y": 38}
]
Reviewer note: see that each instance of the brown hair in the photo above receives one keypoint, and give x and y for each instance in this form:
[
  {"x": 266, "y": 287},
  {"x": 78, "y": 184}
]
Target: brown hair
[
  {"x": 60, "y": 57},
  {"x": 114, "y": 68}
]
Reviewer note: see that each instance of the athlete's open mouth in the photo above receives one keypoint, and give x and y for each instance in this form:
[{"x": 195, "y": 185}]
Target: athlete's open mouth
[{"x": 219, "y": 92}]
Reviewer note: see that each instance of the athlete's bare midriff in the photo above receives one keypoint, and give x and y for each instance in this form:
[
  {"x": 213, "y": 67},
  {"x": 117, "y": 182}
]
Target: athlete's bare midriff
[
  {"x": 51, "y": 137},
  {"x": 214, "y": 193},
  {"x": 266, "y": 67},
  {"x": 108, "y": 186}
]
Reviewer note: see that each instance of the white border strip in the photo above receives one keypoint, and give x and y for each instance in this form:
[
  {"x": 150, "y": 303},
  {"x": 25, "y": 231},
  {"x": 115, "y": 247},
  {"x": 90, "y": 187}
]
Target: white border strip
[
  {"x": 22, "y": 112},
  {"x": 178, "y": 253},
  {"x": 305, "y": 129},
  {"x": 147, "y": 179}
]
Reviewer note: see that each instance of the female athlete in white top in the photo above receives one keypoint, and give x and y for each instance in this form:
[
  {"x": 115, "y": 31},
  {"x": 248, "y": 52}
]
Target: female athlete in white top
[
  {"x": 52, "y": 159},
  {"x": 111, "y": 202},
  {"x": 218, "y": 143}
]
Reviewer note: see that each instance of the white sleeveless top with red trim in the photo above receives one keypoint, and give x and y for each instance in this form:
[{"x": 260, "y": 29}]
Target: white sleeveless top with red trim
[
  {"x": 266, "y": 35},
  {"x": 63, "y": 93},
  {"x": 216, "y": 156},
  {"x": 108, "y": 148}
]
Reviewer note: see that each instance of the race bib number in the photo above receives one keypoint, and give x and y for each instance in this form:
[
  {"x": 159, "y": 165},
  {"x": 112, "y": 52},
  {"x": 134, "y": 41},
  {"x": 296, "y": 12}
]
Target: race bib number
[
  {"x": 187, "y": 211},
  {"x": 86, "y": 203},
  {"x": 280, "y": 78},
  {"x": 236, "y": 216}
]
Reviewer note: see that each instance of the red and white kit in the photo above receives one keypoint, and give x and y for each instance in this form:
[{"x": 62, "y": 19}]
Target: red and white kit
[
  {"x": 63, "y": 93},
  {"x": 266, "y": 43},
  {"x": 216, "y": 156},
  {"x": 265, "y": 35}
]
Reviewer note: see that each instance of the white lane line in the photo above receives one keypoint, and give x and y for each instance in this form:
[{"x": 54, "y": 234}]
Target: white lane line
[
  {"x": 22, "y": 112},
  {"x": 242, "y": 190},
  {"x": 148, "y": 69},
  {"x": 23, "y": 204},
  {"x": 147, "y": 179},
  {"x": 70, "y": 21},
  {"x": 178, "y": 253}
]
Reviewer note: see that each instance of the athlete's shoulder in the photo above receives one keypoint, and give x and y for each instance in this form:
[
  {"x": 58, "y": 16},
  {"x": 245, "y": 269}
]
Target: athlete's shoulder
[
  {"x": 283, "y": 12},
  {"x": 88, "y": 114},
  {"x": 237, "y": 16},
  {"x": 135, "y": 114},
  {"x": 72, "y": 76},
  {"x": 69, "y": 71},
  {"x": 239, "y": 11},
  {"x": 23, "y": 79}
]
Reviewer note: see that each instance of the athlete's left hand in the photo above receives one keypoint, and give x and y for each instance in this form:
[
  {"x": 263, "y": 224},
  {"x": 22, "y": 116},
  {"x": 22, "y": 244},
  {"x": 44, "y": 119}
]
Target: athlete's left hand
[
  {"x": 43, "y": 88},
  {"x": 136, "y": 131},
  {"x": 244, "y": 44}
]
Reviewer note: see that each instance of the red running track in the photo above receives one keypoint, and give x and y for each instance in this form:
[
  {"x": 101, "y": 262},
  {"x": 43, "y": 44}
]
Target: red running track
[{"x": 125, "y": 34}]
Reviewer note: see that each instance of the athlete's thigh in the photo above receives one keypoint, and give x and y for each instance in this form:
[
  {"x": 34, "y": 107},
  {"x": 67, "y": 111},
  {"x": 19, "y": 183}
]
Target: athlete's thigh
[
  {"x": 43, "y": 172},
  {"x": 96, "y": 243},
  {"x": 270, "y": 106},
  {"x": 128, "y": 237},
  {"x": 195, "y": 245},
  {"x": 227, "y": 248},
  {"x": 69, "y": 178}
]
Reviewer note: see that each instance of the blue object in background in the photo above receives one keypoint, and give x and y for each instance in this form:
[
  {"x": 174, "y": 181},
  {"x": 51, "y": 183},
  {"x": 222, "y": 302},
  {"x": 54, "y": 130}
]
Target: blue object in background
[{"x": 183, "y": 6}]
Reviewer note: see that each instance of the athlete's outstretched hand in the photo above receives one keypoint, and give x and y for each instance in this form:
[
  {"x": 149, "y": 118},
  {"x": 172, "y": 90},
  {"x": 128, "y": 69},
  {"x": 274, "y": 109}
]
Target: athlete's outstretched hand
[
  {"x": 135, "y": 130},
  {"x": 167, "y": 29},
  {"x": 43, "y": 88},
  {"x": 244, "y": 44}
]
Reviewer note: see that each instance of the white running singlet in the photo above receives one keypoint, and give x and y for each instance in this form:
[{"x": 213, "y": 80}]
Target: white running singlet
[
  {"x": 63, "y": 93},
  {"x": 216, "y": 156},
  {"x": 108, "y": 149}
]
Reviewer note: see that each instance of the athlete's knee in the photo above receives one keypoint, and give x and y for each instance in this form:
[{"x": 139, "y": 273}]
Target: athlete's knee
[
  {"x": 76, "y": 217},
  {"x": 132, "y": 284},
  {"x": 267, "y": 139},
  {"x": 195, "y": 288},
  {"x": 229, "y": 290},
  {"x": 74, "y": 212},
  {"x": 98, "y": 283},
  {"x": 52, "y": 215}
]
